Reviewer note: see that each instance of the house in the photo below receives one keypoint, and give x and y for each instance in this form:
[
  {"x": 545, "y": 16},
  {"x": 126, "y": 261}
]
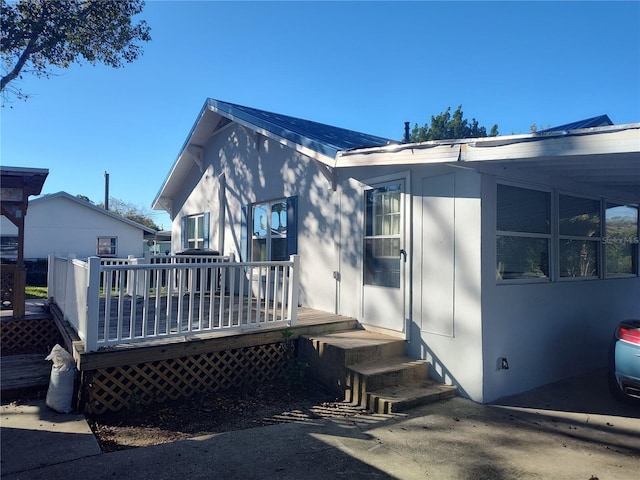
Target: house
[
  {"x": 63, "y": 224},
  {"x": 157, "y": 243},
  {"x": 504, "y": 261}
]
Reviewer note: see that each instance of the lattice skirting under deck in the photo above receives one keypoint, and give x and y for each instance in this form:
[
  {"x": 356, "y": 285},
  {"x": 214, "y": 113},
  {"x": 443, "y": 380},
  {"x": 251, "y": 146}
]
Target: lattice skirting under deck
[
  {"x": 129, "y": 386},
  {"x": 28, "y": 336}
]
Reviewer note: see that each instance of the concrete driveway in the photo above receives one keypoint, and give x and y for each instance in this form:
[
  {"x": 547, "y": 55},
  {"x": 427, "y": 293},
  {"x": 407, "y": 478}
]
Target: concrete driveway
[{"x": 569, "y": 430}]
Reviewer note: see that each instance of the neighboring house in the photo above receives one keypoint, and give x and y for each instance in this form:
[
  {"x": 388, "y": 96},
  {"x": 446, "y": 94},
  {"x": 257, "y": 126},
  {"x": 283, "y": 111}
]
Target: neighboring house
[
  {"x": 158, "y": 243},
  {"x": 66, "y": 225},
  {"x": 505, "y": 261}
]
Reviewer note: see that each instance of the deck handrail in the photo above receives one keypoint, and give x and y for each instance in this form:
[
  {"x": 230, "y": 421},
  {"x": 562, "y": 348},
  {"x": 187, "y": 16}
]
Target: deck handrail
[{"x": 133, "y": 300}]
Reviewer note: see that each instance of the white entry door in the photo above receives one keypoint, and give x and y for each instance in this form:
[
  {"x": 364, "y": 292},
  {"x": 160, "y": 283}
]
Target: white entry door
[{"x": 385, "y": 256}]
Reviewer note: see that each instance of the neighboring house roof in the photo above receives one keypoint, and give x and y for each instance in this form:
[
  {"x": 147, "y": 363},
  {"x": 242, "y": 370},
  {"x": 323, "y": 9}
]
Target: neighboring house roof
[
  {"x": 599, "y": 121},
  {"x": 317, "y": 140},
  {"x": 84, "y": 203}
]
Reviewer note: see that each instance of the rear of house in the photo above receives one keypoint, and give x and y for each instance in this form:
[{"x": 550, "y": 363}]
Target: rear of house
[{"x": 506, "y": 262}]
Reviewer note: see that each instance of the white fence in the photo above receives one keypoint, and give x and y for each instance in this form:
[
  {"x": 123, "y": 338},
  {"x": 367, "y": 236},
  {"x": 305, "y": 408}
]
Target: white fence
[{"x": 120, "y": 301}]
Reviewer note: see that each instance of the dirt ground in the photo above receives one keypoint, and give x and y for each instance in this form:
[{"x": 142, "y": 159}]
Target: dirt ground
[{"x": 211, "y": 413}]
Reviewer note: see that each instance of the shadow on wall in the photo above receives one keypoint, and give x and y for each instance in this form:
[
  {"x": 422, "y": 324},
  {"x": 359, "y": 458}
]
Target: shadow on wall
[{"x": 254, "y": 170}]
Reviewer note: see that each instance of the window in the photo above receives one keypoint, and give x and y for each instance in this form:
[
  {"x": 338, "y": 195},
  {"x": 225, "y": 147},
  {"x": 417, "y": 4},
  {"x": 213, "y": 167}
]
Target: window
[
  {"x": 269, "y": 236},
  {"x": 523, "y": 233},
  {"x": 269, "y": 230},
  {"x": 382, "y": 236},
  {"x": 592, "y": 238},
  {"x": 196, "y": 231},
  {"x": 9, "y": 247},
  {"x": 107, "y": 246},
  {"x": 621, "y": 239},
  {"x": 579, "y": 234}
]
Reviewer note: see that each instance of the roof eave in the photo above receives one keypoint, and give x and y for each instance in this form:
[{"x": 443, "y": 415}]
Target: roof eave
[{"x": 157, "y": 203}]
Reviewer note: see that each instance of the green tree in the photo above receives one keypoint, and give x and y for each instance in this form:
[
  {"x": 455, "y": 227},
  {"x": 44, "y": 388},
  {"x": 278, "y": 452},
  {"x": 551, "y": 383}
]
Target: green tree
[
  {"x": 130, "y": 211},
  {"x": 447, "y": 126},
  {"x": 37, "y": 35}
]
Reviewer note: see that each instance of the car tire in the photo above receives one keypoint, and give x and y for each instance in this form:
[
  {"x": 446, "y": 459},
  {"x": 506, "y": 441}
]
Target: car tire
[
  {"x": 617, "y": 392},
  {"x": 615, "y": 389}
]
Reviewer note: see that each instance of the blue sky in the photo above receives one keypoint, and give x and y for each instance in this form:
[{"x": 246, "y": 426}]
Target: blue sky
[{"x": 366, "y": 66}]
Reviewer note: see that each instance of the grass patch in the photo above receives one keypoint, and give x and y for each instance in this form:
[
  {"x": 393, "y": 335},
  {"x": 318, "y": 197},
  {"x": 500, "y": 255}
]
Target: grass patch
[{"x": 35, "y": 292}]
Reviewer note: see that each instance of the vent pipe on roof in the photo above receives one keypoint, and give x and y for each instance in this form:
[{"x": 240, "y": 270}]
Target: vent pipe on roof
[
  {"x": 406, "y": 132},
  {"x": 106, "y": 190}
]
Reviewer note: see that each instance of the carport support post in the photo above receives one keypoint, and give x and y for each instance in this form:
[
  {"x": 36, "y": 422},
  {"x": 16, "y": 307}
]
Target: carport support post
[{"x": 93, "y": 305}]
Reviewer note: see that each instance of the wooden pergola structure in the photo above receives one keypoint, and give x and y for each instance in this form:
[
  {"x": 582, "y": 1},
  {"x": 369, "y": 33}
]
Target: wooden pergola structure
[{"x": 17, "y": 184}]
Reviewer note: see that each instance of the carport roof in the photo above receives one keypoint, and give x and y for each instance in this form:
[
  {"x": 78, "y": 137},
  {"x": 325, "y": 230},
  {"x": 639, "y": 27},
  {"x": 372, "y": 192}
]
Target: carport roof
[{"x": 605, "y": 159}]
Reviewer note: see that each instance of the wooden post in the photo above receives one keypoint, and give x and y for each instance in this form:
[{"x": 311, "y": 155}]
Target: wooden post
[
  {"x": 20, "y": 274},
  {"x": 19, "y": 284}
]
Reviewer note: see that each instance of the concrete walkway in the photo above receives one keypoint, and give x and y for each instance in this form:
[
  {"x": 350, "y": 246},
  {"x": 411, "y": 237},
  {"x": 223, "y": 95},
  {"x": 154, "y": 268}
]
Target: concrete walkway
[{"x": 569, "y": 430}]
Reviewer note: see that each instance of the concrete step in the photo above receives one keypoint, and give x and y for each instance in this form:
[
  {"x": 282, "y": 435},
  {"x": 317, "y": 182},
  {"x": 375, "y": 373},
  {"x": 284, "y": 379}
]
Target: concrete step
[
  {"x": 382, "y": 373},
  {"x": 370, "y": 370},
  {"x": 328, "y": 355},
  {"x": 403, "y": 397}
]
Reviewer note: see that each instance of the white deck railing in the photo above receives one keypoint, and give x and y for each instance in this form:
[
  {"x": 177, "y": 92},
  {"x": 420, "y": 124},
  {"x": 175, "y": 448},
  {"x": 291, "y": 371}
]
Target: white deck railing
[{"x": 120, "y": 301}]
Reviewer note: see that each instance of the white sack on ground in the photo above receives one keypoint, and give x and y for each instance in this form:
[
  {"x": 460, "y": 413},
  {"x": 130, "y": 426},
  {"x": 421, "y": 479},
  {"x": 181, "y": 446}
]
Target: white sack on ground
[{"x": 60, "y": 392}]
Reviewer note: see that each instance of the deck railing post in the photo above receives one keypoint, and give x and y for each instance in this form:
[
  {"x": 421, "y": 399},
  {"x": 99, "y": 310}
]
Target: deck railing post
[
  {"x": 294, "y": 271},
  {"x": 51, "y": 277},
  {"x": 93, "y": 305}
]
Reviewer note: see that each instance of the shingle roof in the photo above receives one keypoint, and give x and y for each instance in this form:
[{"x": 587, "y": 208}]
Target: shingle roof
[
  {"x": 319, "y": 137},
  {"x": 95, "y": 208},
  {"x": 599, "y": 121}
]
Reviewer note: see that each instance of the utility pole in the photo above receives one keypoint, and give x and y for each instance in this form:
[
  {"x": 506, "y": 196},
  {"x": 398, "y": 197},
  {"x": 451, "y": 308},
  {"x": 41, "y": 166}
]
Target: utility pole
[{"x": 106, "y": 190}]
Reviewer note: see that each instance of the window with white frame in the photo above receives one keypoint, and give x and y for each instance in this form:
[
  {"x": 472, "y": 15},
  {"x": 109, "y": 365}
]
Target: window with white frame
[
  {"x": 579, "y": 236},
  {"x": 269, "y": 232},
  {"x": 523, "y": 227},
  {"x": 621, "y": 239},
  {"x": 195, "y": 232},
  {"x": 383, "y": 216},
  {"x": 107, "y": 247}
]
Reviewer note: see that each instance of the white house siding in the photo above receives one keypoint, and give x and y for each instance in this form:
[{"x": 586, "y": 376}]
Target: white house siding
[
  {"x": 6, "y": 227},
  {"x": 258, "y": 169},
  {"x": 446, "y": 321},
  {"x": 457, "y": 317},
  {"x": 62, "y": 226},
  {"x": 546, "y": 331}
]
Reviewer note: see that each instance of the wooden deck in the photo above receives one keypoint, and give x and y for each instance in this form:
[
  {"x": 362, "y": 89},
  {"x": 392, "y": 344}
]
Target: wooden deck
[
  {"x": 24, "y": 375},
  {"x": 309, "y": 322},
  {"x": 169, "y": 367}
]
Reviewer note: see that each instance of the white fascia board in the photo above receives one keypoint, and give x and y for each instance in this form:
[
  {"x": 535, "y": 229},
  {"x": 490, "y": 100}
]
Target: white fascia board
[
  {"x": 566, "y": 145},
  {"x": 404, "y": 154},
  {"x": 588, "y": 141},
  {"x": 157, "y": 204}
]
